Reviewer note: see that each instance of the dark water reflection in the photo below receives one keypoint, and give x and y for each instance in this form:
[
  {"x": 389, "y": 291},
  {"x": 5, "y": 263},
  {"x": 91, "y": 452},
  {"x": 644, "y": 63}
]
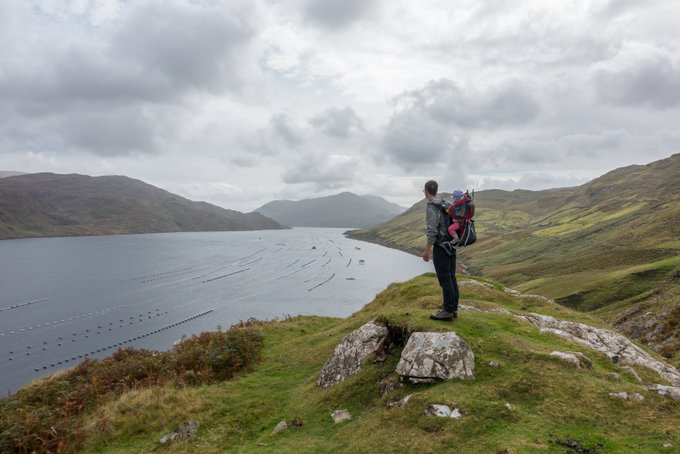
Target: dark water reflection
[{"x": 64, "y": 298}]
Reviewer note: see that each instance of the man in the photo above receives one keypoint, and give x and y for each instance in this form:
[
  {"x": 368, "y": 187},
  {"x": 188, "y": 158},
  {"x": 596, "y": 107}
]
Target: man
[{"x": 444, "y": 258}]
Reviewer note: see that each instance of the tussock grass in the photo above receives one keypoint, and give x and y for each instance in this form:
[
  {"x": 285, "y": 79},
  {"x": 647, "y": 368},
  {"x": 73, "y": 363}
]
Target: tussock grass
[{"x": 45, "y": 416}]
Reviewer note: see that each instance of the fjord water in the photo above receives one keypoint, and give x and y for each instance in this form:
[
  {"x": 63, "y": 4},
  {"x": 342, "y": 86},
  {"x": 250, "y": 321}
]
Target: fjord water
[{"x": 65, "y": 299}]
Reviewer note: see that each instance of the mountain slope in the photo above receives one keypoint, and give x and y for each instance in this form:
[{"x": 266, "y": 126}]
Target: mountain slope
[
  {"x": 46, "y": 204},
  {"x": 9, "y": 173},
  {"x": 604, "y": 242},
  {"x": 532, "y": 402},
  {"x": 340, "y": 210},
  {"x": 393, "y": 208}
]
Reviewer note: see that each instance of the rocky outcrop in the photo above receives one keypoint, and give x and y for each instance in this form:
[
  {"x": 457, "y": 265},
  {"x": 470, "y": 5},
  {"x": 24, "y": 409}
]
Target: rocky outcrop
[
  {"x": 351, "y": 353},
  {"x": 399, "y": 403},
  {"x": 627, "y": 396},
  {"x": 577, "y": 359},
  {"x": 184, "y": 431},
  {"x": 428, "y": 357},
  {"x": 617, "y": 347},
  {"x": 442, "y": 411},
  {"x": 672, "y": 391},
  {"x": 653, "y": 319}
]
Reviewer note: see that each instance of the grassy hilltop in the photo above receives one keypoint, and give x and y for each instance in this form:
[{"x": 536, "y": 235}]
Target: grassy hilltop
[
  {"x": 551, "y": 404},
  {"x": 589, "y": 247}
]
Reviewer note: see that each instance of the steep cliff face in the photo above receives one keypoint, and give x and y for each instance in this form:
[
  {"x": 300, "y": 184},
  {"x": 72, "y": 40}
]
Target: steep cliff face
[
  {"x": 46, "y": 204},
  {"x": 654, "y": 319}
]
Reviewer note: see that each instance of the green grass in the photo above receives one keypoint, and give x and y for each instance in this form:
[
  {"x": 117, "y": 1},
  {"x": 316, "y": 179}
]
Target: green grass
[{"x": 551, "y": 401}]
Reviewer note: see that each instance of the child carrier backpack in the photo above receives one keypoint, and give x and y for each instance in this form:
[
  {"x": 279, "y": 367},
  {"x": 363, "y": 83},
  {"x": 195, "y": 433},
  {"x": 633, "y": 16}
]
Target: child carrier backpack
[{"x": 462, "y": 211}]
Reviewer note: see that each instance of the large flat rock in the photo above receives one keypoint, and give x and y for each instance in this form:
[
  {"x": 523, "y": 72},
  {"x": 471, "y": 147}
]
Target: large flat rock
[{"x": 436, "y": 356}]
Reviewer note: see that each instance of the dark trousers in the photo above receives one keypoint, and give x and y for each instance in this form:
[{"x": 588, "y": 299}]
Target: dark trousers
[{"x": 445, "y": 267}]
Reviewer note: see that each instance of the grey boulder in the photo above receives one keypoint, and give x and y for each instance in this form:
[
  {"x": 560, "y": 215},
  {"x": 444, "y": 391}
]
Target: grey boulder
[
  {"x": 339, "y": 416},
  {"x": 185, "y": 430},
  {"x": 428, "y": 357},
  {"x": 350, "y": 354}
]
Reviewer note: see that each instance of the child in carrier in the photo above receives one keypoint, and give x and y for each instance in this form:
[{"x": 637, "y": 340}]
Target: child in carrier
[{"x": 454, "y": 228}]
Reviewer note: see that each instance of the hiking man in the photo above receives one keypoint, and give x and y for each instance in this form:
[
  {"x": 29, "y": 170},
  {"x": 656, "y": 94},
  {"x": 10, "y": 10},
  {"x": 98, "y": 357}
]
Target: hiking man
[{"x": 444, "y": 258}]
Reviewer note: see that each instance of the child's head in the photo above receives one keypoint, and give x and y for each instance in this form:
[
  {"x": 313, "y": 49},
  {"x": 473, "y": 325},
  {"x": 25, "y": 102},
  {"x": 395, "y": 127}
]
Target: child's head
[{"x": 457, "y": 195}]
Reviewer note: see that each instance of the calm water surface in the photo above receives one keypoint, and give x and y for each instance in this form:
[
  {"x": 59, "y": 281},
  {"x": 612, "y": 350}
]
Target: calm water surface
[{"x": 62, "y": 299}]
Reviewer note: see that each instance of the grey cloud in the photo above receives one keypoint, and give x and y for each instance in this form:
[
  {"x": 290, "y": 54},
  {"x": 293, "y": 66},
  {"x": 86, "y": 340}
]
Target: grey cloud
[
  {"x": 534, "y": 181},
  {"x": 614, "y": 8},
  {"x": 112, "y": 95},
  {"x": 557, "y": 152},
  {"x": 159, "y": 52},
  {"x": 185, "y": 46},
  {"x": 122, "y": 131},
  {"x": 243, "y": 161},
  {"x": 337, "y": 122},
  {"x": 414, "y": 140},
  {"x": 336, "y": 14},
  {"x": 281, "y": 134},
  {"x": 323, "y": 170},
  {"x": 447, "y": 103},
  {"x": 432, "y": 123},
  {"x": 639, "y": 76},
  {"x": 283, "y": 127}
]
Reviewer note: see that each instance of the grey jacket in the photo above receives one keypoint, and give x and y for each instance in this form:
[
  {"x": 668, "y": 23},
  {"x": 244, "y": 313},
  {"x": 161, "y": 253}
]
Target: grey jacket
[{"x": 435, "y": 222}]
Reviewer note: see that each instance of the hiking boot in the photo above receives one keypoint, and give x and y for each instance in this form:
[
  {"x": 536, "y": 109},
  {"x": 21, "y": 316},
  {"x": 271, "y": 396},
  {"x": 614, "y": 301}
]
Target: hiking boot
[{"x": 443, "y": 315}]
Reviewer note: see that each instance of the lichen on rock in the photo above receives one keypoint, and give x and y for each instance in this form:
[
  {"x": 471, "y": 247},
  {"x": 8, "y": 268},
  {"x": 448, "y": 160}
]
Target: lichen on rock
[
  {"x": 436, "y": 356},
  {"x": 350, "y": 354}
]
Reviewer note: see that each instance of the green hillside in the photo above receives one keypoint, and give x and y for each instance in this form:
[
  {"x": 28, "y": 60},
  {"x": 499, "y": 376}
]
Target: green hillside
[
  {"x": 47, "y": 204},
  {"x": 590, "y": 246},
  {"x": 532, "y": 402}
]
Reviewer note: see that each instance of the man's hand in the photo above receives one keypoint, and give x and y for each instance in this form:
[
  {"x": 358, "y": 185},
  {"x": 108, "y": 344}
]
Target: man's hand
[{"x": 426, "y": 255}]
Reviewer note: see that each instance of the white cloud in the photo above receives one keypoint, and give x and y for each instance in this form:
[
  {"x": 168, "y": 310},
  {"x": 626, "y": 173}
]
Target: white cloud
[{"x": 240, "y": 101}]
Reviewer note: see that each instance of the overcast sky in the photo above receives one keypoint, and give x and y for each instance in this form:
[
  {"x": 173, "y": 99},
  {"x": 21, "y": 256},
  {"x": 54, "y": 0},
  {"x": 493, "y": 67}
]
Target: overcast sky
[{"x": 242, "y": 102}]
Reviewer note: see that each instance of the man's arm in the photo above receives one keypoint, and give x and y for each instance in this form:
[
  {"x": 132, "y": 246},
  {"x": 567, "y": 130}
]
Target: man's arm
[
  {"x": 428, "y": 252},
  {"x": 431, "y": 221}
]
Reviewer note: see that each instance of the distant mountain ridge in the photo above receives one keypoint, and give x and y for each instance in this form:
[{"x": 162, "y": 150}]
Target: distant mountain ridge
[
  {"x": 340, "y": 210},
  {"x": 47, "y": 204},
  {"x": 9, "y": 173}
]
